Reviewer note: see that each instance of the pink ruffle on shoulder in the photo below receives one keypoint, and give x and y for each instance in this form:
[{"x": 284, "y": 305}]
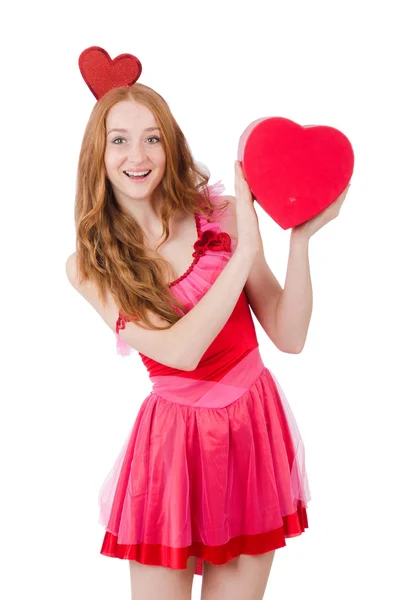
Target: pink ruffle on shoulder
[{"x": 211, "y": 254}]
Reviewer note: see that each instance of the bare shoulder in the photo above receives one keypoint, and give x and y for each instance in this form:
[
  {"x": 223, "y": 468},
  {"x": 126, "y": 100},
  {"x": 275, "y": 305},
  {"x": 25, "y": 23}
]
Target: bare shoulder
[
  {"x": 227, "y": 219},
  {"x": 72, "y": 270},
  {"x": 87, "y": 289},
  {"x": 107, "y": 308},
  {"x": 158, "y": 345}
]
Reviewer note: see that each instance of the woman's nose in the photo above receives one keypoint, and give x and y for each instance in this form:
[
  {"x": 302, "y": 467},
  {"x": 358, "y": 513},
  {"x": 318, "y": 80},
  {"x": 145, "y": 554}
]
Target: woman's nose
[{"x": 136, "y": 152}]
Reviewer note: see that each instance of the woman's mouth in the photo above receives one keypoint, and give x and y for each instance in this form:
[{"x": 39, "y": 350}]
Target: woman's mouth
[{"x": 137, "y": 175}]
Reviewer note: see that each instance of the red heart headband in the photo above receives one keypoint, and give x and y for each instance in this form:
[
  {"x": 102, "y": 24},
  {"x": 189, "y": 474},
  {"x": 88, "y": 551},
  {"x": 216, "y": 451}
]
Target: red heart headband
[{"x": 102, "y": 74}]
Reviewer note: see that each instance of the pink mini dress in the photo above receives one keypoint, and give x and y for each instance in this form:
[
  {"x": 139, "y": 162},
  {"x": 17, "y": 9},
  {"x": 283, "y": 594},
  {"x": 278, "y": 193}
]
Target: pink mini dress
[{"x": 214, "y": 466}]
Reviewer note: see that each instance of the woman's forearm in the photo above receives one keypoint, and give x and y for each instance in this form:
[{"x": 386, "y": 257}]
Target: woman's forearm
[
  {"x": 196, "y": 330},
  {"x": 294, "y": 309}
]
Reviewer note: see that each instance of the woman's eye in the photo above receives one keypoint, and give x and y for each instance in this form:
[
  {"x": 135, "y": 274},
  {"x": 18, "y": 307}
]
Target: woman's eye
[{"x": 121, "y": 139}]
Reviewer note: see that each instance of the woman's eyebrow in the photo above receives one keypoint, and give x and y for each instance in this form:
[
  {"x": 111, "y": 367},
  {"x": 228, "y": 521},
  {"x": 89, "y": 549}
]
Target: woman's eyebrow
[{"x": 126, "y": 131}]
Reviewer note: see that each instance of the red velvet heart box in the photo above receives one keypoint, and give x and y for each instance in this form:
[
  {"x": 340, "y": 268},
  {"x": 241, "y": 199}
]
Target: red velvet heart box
[{"x": 294, "y": 171}]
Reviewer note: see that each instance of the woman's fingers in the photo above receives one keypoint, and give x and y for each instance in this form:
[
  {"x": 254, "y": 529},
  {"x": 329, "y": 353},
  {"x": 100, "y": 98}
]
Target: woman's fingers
[
  {"x": 237, "y": 172},
  {"x": 240, "y": 180}
]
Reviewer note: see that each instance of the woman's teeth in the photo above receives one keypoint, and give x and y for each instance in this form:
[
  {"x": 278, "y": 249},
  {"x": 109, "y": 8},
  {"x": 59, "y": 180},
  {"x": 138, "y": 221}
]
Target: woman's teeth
[{"x": 134, "y": 174}]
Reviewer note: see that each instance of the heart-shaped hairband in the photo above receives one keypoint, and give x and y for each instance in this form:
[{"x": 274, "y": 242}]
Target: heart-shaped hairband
[{"x": 102, "y": 74}]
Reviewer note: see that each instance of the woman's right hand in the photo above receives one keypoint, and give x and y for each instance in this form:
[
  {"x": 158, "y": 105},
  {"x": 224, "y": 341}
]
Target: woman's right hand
[{"x": 249, "y": 237}]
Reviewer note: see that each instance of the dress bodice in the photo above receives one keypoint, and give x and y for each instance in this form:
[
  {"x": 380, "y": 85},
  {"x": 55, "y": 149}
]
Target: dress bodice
[{"x": 212, "y": 251}]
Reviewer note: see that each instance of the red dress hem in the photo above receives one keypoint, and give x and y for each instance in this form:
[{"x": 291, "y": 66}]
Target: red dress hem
[{"x": 176, "y": 558}]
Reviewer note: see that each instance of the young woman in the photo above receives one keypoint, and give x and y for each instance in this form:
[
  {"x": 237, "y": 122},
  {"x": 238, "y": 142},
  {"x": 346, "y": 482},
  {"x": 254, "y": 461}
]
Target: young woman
[{"x": 212, "y": 479}]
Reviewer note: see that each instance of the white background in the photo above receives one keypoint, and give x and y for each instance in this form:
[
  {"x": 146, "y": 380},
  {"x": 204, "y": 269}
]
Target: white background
[{"x": 69, "y": 401}]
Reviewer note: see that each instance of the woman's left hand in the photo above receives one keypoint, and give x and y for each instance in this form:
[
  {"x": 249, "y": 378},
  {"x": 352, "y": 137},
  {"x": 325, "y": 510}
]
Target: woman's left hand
[{"x": 308, "y": 228}]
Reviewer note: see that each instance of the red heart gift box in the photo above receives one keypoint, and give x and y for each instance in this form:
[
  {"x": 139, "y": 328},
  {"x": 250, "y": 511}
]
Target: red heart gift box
[{"x": 294, "y": 171}]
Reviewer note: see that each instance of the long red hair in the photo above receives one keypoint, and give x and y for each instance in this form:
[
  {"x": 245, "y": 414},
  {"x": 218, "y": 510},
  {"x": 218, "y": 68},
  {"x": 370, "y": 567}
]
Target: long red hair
[{"x": 109, "y": 242}]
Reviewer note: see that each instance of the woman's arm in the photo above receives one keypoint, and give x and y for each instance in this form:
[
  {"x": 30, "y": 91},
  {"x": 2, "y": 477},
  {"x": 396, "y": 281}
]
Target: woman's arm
[
  {"x": 182, "y": 345},
  {"x": 294, "y": 308},
  {"x": 284, "y": 314},
  {"x": 200, "y": 326}
]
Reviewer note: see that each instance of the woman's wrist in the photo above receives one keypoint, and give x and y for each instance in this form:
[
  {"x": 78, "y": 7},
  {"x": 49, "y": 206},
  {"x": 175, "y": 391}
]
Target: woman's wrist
[{"x": 299, "y": 237}]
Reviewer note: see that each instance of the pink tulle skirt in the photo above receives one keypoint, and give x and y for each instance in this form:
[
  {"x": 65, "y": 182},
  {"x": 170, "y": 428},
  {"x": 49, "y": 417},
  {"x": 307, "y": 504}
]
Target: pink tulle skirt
[{"x": 210, "y": 469}]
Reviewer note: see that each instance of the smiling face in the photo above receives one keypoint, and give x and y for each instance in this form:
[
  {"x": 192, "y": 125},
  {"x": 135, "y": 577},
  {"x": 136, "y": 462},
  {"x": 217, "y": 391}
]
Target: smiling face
[{"x": 133, "y": 146}]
